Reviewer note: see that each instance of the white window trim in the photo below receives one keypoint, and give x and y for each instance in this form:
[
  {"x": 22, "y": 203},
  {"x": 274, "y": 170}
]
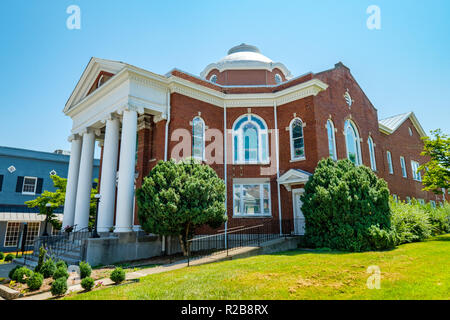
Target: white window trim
[
  {"x": 416, "y": 173},
  {"x": 35, "y": 186},
  {"x": 403, "y": 167},
  {"x": 240, "y": 137},
  {"x": 357, "y": 140},
  {"x": 6, "y": 234},
  {"x": 38, "y": 231},
  {"x": 373, "y": 160},
  {"x": 390, "y": 165},
  {"x": 240, "y": 183},
  {"x": 203, "y": 138},
  {"x": 334, "y": 139},
  {"x": 293, "y": 158}
]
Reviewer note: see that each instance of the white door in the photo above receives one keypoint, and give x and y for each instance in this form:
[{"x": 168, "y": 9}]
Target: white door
[{"x": 299, "y": 218}]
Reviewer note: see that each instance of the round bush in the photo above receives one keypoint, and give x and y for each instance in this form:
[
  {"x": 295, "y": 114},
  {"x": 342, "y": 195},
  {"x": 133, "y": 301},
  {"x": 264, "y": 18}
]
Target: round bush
[
  {"x": 2, "y": 256},
  {"x": 61, "y": 263},
  {"x": 118, "y": 275},
  {"x": 9, "y": 257},
  {"x": 59, "y": 287},
  {"x": 85, "y": 269},
  {"x": 48, "y": 268},
  {"x": 87, "y": 283},
  {"x": 61, "y": 272},
  {"x": 35, "y": 281},
  {"x": 12, "y": 273},
  {"x": 340, "y": 204},
  {"x": 22, "y": 274}
]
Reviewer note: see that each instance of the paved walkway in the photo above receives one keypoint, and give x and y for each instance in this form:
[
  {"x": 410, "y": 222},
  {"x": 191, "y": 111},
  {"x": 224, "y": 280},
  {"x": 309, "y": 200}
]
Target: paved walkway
[
  {"x": 5, "y": 269},
  {"x": 155, "y": 270}
]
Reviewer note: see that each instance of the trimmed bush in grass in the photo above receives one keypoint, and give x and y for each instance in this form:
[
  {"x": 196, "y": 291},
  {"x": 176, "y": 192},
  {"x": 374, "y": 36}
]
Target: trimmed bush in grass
[
  {"x": 59, "y": 287},
  {"x": 35, "y": 281},
  {"x": 341, "y": 203},
  {"x": 61, "y": 272},
  {"x": 118, "y": 275},
  {"x": 48, "y": 268},
  {"x": 87, "y": 283},
  {"x": 9, "y": 257},
  {"x": 85, "y": 269},
  {"x": 22, "y": 274},
  {"x": 410, "y": 221},
  {"x": 11, "y": 273}
]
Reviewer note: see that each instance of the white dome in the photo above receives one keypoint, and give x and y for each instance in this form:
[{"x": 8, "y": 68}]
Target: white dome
[{"x": 245, "y": 57}]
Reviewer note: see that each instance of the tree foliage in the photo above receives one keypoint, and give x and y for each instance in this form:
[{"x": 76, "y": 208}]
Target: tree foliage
[
  {"x": 56, "y": 199},
  {"x": 342, "y": 205},
  {"x": 436, "y": 171},
  {"x": 176, "y": 198}
]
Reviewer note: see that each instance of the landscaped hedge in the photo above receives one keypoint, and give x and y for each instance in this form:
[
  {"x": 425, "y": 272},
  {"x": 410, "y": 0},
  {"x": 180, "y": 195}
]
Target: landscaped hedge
[{"x": 342, "y": 205}]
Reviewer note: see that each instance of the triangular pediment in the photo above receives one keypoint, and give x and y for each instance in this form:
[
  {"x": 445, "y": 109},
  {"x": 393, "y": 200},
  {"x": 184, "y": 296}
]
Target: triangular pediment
[
  {"x": 96, "y": 70},
  {"x": 294, "y": 176}
]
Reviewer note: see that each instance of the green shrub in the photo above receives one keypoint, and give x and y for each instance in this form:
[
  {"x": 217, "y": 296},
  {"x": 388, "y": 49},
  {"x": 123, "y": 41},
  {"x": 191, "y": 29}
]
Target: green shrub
[
  {"x": 42, "y": 253},
  {"x": 410, "y": 221},
  {"x": 87, "y": 283},
  {"x": 61, "y": 272},
  {"x": 340, "y": 204},
  {"x": 118, "y": 275},
  {"x": 48, "y": 268},
  {"x": 22, "y": 274},
  {"x": 382, "y": 239},
  {"x": 59, "y": 287},
  {"x": 11, "y": 273},
  {"x": 2, "y": 256},
  {"x": 61, "y": 263},
  {"x": 35, "y": 281},
  {"x": 439, "y": 219},
  {"x": 9, "y": 257},
  {"x": 85, "y": 269}
]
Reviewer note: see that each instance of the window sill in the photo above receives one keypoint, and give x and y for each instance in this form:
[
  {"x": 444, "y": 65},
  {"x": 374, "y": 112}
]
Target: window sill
[
  {"x": 298, "y": 160},
  {"x": 29, "y": 193},
  {"x": 246, "y": 216},
  {"x": 252, "y": 163}
]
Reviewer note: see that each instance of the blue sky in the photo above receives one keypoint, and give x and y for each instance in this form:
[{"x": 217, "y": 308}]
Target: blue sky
[{"x": 402, "y": 67}]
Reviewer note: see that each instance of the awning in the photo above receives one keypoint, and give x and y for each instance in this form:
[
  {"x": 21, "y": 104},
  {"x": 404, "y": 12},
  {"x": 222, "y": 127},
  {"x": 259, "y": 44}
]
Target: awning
[{"x": 25, "y": 217}]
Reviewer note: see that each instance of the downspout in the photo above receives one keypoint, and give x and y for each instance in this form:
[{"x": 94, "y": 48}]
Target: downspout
[
  {"x": 166, "y": 146},
  {"x": 225, "y": 166},
  {"x": 277, "y": 165}
]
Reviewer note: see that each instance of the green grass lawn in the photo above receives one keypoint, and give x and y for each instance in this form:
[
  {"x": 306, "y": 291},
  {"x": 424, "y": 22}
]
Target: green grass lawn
[{"x": 412, "y": 271}]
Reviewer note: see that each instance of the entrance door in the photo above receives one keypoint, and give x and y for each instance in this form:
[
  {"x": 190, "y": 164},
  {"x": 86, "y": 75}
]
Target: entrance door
[{"x": 299, "y": 218}]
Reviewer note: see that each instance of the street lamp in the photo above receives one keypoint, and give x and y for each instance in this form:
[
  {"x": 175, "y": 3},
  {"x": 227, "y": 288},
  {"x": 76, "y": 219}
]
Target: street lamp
[
  {"x": 97, "y": 198},
  {"x": 48, "y": 206}
]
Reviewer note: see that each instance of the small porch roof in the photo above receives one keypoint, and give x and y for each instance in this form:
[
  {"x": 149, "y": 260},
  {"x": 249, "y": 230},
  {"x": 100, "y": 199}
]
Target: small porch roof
[{"x": 293, "y": 177}]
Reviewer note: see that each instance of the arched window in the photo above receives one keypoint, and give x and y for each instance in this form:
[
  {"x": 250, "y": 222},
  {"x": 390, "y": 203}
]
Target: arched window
[
  {"x": 278, "y": 79},
  {"x": 213, "y": 78},
  {"x": 352, "y": 142},
  {"x": 373, "y": 163},
  {"x": 331, "y": 140},
  {"x": 198, "y": 138},
  {"x": 250, "y": 140},
  {"x": 297, "y": 141}
]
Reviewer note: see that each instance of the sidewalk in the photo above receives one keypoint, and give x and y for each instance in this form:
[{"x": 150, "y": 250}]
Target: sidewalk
[{"x": 245, "y": 251}]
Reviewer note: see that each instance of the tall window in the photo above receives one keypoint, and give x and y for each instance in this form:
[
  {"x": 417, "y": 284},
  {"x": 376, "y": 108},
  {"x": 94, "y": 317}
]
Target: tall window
[
  {"x": 373, "y": 163},
  {"x": 198, "y": 138},
  {"x": 250, "y": 140},
  {"x": 415, "y": 171},
  {"x": 32, "y": 232},
  {"x": 403, "y": 165},
  {"x": 389, "y": 159},
  {"x": 12, "y": 234},
  {"x": 297, "y": 141},
  {"x": 353, "y": 143},
  {"x": 251, "y": 199},
  {"x": 331, "y": 140}
]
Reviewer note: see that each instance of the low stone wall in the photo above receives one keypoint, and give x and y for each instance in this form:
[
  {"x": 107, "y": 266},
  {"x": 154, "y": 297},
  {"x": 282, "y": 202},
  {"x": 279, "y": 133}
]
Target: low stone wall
[{"x": 121, "y": 247}]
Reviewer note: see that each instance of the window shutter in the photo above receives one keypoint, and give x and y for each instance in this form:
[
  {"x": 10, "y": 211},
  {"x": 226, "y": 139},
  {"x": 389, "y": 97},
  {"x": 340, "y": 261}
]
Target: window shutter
[
  {"x": 19, "y": 184},
  {"x": 1, "y": 182},
  {"x": 40, "y": 182}
]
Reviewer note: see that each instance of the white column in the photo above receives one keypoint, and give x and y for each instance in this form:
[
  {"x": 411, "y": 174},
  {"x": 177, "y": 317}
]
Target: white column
[
  {"x": 127, "y": 162},
  {"x": 72, "y": 181},
  {"x": 108, "y": 177},
  {"x": 83, "y": 201}
]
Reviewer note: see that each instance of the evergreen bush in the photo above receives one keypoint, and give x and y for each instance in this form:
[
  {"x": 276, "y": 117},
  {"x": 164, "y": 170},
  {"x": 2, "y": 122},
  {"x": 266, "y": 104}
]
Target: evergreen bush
[
  {"x": 59, "y": 287},
  {"x": 87, "y": 283},
  {"x": 35, "y": 281},
  {"x": 61, "y": 272},
  {"x": 118, "y": 275},
  {"x": 85, "y": 269},
  {"x": 48, "y": 268}
]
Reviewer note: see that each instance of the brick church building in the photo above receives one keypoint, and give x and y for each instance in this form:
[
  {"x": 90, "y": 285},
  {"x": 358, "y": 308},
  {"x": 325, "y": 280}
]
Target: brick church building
[{"x": 277, "y": 127}]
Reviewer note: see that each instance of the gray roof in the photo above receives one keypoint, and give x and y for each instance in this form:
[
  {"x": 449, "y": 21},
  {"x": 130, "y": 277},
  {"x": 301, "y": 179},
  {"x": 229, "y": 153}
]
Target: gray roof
[{"x": 395, "y": 121}]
